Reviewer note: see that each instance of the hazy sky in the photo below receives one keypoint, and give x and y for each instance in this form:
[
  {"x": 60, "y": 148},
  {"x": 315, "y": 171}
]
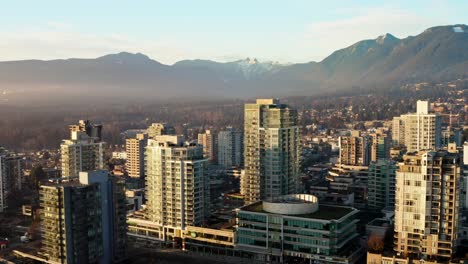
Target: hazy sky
[{"x": 223, "y": 30}]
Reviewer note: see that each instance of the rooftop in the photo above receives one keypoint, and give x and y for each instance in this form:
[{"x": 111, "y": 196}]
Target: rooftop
[
  {"x": 379, "y": 222},
  {"x": 62, "y": 182},
  {"x": 324, "y": 212}
]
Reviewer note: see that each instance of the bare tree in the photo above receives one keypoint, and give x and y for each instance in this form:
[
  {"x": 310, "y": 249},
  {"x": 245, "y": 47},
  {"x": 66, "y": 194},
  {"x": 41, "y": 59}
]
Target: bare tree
[{"x": 375, "y": 244}]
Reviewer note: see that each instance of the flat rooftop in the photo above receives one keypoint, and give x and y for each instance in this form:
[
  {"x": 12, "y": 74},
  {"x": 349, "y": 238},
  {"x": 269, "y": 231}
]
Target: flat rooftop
[
  {"x": 325, "y": 212},
  {"x": 379, "y": 222},
  {"x": 72, "y": 183}
]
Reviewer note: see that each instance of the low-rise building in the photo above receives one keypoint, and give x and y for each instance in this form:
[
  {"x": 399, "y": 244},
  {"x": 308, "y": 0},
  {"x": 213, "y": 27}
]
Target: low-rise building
[
  {"x": 297, "y": 227},
  {"x": 135, "y": 199}
]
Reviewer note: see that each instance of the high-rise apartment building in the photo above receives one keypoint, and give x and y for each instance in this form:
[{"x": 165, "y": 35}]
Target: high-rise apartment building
[
  {"x": 83, "y": 219},
  {"x": 451, "y": 135},
  {"x": 427, "y": 205},
  {"x": 380, "y": 148},
  {"x": 208, "y": 141},
  {"x": 81, "y": 153},
  {"x": 11, "y": 175},
  {"x": 398, "y": 131},
  {"x": 230, "y": 152},
  {"x": 465, "y": 153},
  {"x": 418, "y": 131},
  {"x": 464, "y": 193},
  {"x": 355, "y": 149},
  {"x": 381, "y": 184},
  {"x": 135, "y": 149},
  {"x": 92, "y": 130},
  {"x": 271, "y": 150},
  {"x": 177, "y": 183},
  {"x": 158, "y": 129}
]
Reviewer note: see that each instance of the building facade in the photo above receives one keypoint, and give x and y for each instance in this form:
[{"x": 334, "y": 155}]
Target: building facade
[
  {"x": 380, "y": 148},
  {"x": 135, "y": 149},
  {"x": 271, "y": 150},
  {"x": 177, "y": 183},
  {"x": 83, "y": 219},
  {"x": 11, "y": 176},
  {"x": 294, "y": 227},
  {"x": 158, "y": 129},
  {"x": 208, "y": 140},
  {"x": 418, "y": 131},
  {"x": 398, "y": 131},
  {"x": 93, "y": 130},
  {"x": 427, "y": 205},
  {"x": 81, "y": 153},
  {"x": 355, "y": 150},
  {"x": 464, "y": 193},
  {"x": 381, "y": 184},
  {"x": 230, "y": 151},
  {"x": 451, "y": 135}
]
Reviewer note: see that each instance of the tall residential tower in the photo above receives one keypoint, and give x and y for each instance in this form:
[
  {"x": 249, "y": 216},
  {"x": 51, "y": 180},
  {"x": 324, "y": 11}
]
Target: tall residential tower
[
  {"x": 93, "y": 130},
  {"x": 208, "y": 141},
  {"x": 11, "y": 176},
  {"x": 427, "y": 205},
  {"x": 230, "y": 148},
  {"x": 418, "y": 131},
  {"x": 355, "y": 149},
  {"x": 81, "y": 153},
  {"x": 135, "y": 148},
  {"x": 83, "y": 219},
  {"x": 271, "y": 150},
  {"x": 381, "y": 184},
  {"x": 177, "y": 186},
  {"x": 158, "y": 129}
]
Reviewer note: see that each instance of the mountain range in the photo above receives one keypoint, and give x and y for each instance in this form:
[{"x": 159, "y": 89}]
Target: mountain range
[{"x": 437, "y": 54}]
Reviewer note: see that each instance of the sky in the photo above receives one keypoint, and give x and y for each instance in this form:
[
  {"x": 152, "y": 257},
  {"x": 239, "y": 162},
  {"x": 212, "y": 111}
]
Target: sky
[{"x": 291, "y": 31}]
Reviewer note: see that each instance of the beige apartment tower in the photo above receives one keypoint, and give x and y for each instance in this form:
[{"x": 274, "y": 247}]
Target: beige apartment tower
[
  {"x": 93, "y": 130},
  {"x": 427, "y": 205},
  {"x": 208, "y": 141},
  {"x": 158, "y": 129},
  {"x": 81, "y": 153},
  {"x": 271, "y": 150},
  {"x": 135, "y": 148},
  {"x": 177, "y": 186},
  {"x": 380, "y": 146},
  {"x": 418, "y": 131},
  {"x": 355, "y": 149}
]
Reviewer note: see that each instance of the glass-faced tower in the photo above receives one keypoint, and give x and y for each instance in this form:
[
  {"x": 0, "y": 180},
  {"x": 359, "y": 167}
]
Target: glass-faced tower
[{"x": 271, "y": 150}]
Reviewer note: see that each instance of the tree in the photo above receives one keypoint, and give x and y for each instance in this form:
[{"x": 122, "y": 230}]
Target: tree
[
  {"x": 37, "y": 174},
  {"x": 33, "y": 228},
  {"x": 375, "y": 244},
  {"x": 14, "y": 200}
]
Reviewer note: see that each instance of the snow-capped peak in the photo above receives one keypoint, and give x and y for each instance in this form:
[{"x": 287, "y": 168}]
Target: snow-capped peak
[{"x": 252, "y": 67}]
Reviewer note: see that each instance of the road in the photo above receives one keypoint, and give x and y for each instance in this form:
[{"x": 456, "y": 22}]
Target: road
[{"x": 169, "y": 257}]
